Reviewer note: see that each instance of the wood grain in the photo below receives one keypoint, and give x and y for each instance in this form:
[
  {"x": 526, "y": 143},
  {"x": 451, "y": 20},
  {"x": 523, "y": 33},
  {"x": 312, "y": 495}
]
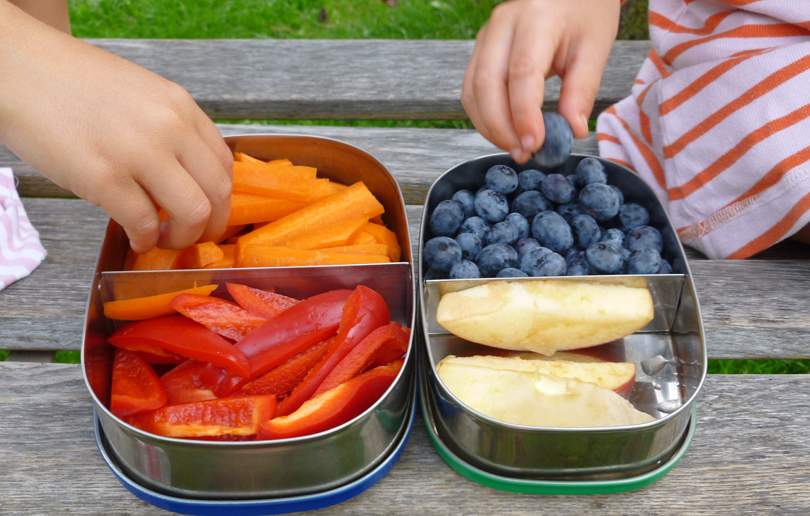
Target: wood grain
[{"x": 749, "y": 456}]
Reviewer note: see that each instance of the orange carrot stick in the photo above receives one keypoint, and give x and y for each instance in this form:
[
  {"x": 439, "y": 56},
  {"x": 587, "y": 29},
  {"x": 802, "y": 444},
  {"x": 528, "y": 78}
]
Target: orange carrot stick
[
  {"x": 157, "y": 260},
  {"x": 258, "y": 255},
  {"x": 362, "y": 237},
  {"x": 333, "y": 234},
  {"x": 251, "y": 208},
  {"x": 228, "y": 260},
  {"x": 148, "y": 307},
  {"x": 380, "y": 249},
  {"x": 198, "y": 256},
  {"x": 294, "y": 183},
  {"x": 241, "y": 156},
  {"x": 385, "y": 236}
]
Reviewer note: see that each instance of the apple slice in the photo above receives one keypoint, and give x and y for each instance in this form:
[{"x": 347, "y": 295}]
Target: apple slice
[
  {"x": 545, "y": 315},
  {"x": 616, "y": 376},
  {"x": 536, "y": 399}
]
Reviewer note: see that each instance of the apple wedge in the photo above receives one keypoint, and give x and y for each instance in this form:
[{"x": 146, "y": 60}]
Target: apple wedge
[
  {"x": 616, "y": 376},
  {"x": 536, "y": 399},
  {"x": 545, "y": 316}
]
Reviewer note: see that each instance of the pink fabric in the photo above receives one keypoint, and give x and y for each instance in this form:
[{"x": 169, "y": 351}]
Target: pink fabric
[{"x": 20, "y": 248}]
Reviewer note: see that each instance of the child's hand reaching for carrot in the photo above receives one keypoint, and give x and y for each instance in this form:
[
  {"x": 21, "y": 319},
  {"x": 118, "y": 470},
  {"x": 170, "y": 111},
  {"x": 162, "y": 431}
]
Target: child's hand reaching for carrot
[
  {"x": 112, "y": 132},
  {"x": 525, "y": 42}
]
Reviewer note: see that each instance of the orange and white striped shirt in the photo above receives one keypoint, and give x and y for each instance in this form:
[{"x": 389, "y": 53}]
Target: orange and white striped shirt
[{"x": 719, "y": 121}]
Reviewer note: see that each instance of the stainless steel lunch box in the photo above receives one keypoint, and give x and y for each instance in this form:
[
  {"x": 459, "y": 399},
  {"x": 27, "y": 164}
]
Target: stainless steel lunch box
[
  {"x": 670, "y": 353},
  {"x": 265, "y": 469}
]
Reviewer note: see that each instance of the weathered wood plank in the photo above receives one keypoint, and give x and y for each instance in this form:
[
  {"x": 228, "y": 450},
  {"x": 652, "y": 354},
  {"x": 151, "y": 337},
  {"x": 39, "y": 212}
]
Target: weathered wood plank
[
  {"x": 339, "y": 79},
  {"x": 748, "y": 457}
]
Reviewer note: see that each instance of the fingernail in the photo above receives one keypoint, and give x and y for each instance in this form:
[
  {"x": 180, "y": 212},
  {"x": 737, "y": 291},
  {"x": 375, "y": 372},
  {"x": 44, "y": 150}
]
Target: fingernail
[
  {"x": 584, "y": 121},
  {"x": 528, "y": 143},
  {"x": 516, "y": 152}
]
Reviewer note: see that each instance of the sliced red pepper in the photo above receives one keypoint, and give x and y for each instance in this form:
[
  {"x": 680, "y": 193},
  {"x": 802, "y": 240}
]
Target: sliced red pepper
[
  {"x": 383, "y": 345},
  {"x": 285, "y": 377},
  {"x": 261, "y": 303},
  {"x": 223, "y": 317},
  {"x": 229, "y": 416},
  {"x": 98, "y": 362},
  {"x": 334, "y": 407},
  {"x": 136, "y": 387},
  {"x": 365, "y": 311},
  {"x": 183, "y": 383},
  {"x": 182, "y": 336},
  {"x": 163, "y": 358},
  {"x": 290, "y": 333}
]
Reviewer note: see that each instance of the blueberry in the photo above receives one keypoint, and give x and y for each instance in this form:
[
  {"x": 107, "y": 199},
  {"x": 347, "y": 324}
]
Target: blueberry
[
  {"x": 557, "y": 188},
  {"x": 511, "y": 272},
  {"x": 495, "y": 257},
  {"x": 599, "y": 201},
  {"x": 470, "y": 245},
  {"x": 572, "y": 178},
  {"x": 590, "y": 170},
  {"x": 586, "y": 231},
  {"x": 569, "y": 210},
  {"x": 614, "y": 236},
  {"x": 531, "y": 259},
  {"x": 644, "y": 261},
  {"x": 502, "y": 179},
  {"x": 576, "y": 264},
  {"x": 520, "y": 223},
  {"x": 605, "y": 258},
  {"x": 441, "y": 253},
  {"x": 632, "y": 215},
  {"x": 644, "y": 236},
  {"x": 558, "y": 143},
  {"x": 491, "y": 206},
  {"x": 446, "y": 218},
  {"x": 530, "y": 203},
  {"x": 503, "y": 233},
  {"x": 552, "y": 264},
  {"x": 476, "y": 225},
  {"x": 552, "y": 231},
  {"x": 467, "y": 200},
  {"x": 433, "y": 274},
  {"x": 464, "y": 270},
  {"x": 530, "y": 179},
  {"x": 619, "y": 193},
  {"x": 665, "y": 267},
  {"x": 525, "y": 245}
]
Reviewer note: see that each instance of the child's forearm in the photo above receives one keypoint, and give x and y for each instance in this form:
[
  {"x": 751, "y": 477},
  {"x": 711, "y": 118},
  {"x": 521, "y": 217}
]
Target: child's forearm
[{"x": 51, "y": 12}]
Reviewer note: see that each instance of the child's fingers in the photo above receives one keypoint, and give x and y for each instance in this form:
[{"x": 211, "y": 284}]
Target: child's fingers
[
  {"x": 129, "y": 205},
  {"x": 213, "y": 138},
  {"x": 580, "y": 85}
]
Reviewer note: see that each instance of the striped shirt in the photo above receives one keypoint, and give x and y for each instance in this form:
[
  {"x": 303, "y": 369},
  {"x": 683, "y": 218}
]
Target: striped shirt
[
  {"x": 20, "y": 248},
  {"x": 719, "y": 121}
]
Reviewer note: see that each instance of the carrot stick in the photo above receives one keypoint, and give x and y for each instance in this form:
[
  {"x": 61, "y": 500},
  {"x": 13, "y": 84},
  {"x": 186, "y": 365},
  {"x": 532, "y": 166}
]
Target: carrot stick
[
  {"x": 385, "y": 236},
  {"x": 251, "y": 208},
  {"x": 362, "y": 237},
  {"x": 380, "y": 249},
  {"x": 293, "y": 183},
  {"x": 229, "y": 232},
  {"x": 356, "y": 201},
  {"x": 228, "y": 260},
  {"x": 198, "y": 256},
  {"x": 280, "y": 162},
  {"x": 148, "y": 307},
  {"x": 157, "y": 260},
  {"x": 241, "y": 156},
  {"x": 333, "y": 234},
  {"x": 258, "y": 255}
]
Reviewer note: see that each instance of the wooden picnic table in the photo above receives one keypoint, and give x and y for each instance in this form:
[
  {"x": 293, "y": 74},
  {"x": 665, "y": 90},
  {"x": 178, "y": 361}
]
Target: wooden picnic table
[{"x": 749, "y": 455}]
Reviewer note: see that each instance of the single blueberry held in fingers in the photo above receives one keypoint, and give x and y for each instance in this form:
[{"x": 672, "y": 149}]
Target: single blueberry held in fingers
[
  {"x": 605, "y": 258},
  {"x": 557, "y": 188},
  {"x": 467, "y": 200},
  {"x": 465, "y": 270},
  {"x": 446, "y": 218},
  {"x": 599, "y": 201},
  {"x": 502, "y": 179},
  {"x": 632, "y": 215},
  {"x": 590, "y": 170},
  {"x": 558, "y": 143},
  {"x": 644, "y": 236},
  {"x": 525, "y": 245},
  {"x": 569, "y": 210},
  {"x": 520, "y": 222},
  {"x": 530, "y": 203},
  {"x": 531, "y": 259},
  {"x": 470, "y": 244},
  {"x": 491, "y": 206},
  {"x": 586, "y": 231},
  {"x": 644, "y": 261},
  {"x": 495, "y": 257},
  {"x": 511, "y": 272},
  {"x": 530, "y": 179},
  {"x": 552, "y": 264},
  {"x": 476, "y": 225},
  {"x": 552, "y": 231},
  {"x": 503, "y": 233},
  {"x": 441, "y": 253}
]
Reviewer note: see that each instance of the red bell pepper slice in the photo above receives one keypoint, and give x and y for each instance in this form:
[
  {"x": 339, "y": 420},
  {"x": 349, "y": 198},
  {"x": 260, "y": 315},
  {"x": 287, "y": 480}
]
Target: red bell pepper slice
[
  {"x": 285, "y": 377},
  {"x": 286, "y": 335},
  {"x": 98, "y": 362},
  {"x": 383, "y": 345},
  {"x": 365, "y": 311},
  {"x": 183, "y": 384},
  {"x": 230, "y": 416},
  {"x": 136, "y": 387},
  {"x": 182, "y": 336},
  {"x": 260, "y": 303},
  {"x": 163, "y": 358},
  {"x": 223, "y": 317},
  {"x": 334, "y": 407}
]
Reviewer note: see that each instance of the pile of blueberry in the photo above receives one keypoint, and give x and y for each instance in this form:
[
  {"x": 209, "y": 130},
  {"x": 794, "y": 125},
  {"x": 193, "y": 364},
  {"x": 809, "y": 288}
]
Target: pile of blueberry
[{"x": 537, "y": 224}]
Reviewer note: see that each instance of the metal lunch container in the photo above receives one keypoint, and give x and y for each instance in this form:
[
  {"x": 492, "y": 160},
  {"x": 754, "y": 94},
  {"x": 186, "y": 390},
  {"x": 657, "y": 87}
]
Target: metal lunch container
[
  {"x": 670, "y": 354},
  {"x": 208, "y": 470}
]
